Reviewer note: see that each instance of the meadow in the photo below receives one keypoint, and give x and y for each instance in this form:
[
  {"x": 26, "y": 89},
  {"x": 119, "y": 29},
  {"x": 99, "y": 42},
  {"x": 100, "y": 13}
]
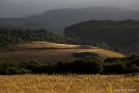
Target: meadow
[
  {"x": 74, "y": 83},
  {"x": 48, "y": 52}
]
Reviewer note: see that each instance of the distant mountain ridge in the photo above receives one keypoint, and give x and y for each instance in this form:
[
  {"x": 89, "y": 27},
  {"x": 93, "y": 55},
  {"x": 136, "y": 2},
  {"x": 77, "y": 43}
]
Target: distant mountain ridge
[{"x": 56, "y": 20}]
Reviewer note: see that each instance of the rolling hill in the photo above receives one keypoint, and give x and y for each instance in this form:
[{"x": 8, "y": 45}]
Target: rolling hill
[
  {"x": 48, "y": 52},
  {"x": 56, "y": 20},
  {"x": 120, "y": 36}
]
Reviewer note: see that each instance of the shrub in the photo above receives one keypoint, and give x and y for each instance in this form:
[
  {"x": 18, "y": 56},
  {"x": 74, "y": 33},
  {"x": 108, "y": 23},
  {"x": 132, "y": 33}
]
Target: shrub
[
  {"x": 87, "y": 65},
  {"x": 34, "y": 66},
  {"x": 85, "y": 54},
  {"x": 115, "y": 67},
  {"x": 136, "y": 61},
  {"x": 133, "y": 68}
]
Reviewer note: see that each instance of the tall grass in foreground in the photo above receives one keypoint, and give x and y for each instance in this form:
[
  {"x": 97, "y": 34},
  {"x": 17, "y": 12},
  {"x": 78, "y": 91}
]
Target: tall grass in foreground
[{"x": 69, "y": 84}]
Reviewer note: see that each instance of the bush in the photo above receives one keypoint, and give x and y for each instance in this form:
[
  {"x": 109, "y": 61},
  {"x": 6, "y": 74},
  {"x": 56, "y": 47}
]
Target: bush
[
  {"x": 136, "y": 61},
  {"x": 17, "y": 70},
  {"x": 133, "y": 68},
  {"x": 85, "y": 54},
  {"x": 34, "y": 66},
  {"x": 63, "y": 67},
  {"x": 115, "y": 67},
  {"x": 87, "y": 66}
]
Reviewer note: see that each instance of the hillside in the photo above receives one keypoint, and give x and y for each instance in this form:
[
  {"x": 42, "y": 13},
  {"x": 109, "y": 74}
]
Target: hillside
[
  {"x": 48, "y": 52},
  {"x": 56, "y": 20},
  {"x": 42, "y": 45},
  {"x": 120, "y": 36}
]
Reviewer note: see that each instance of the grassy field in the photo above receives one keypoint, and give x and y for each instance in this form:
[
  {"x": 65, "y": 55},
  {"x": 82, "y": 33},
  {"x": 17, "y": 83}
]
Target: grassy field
[
  {"x": 69, "y": 84},
  {"x": 48, "y": 52},
  {"x": 39, "y": 44}
]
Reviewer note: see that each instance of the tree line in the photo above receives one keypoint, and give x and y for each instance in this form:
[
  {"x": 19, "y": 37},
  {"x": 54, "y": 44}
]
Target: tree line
[
  {"x": 8, "y": 36},
  {"x": 86, "y": 65}
]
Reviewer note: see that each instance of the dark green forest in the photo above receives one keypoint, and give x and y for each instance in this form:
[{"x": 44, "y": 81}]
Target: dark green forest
[
  {"x": 86, "y": 65},
  {"x": 8, "y": 36},
  {"x": 122, "y": 36}
]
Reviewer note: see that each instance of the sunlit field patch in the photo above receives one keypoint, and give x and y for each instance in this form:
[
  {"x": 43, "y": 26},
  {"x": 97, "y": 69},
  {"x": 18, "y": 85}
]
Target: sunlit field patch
[{"x": 69, "y": 84}]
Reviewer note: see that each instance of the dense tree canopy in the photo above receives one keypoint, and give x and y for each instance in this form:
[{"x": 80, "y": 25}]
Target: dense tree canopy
[{"x": 17, "y": 35}]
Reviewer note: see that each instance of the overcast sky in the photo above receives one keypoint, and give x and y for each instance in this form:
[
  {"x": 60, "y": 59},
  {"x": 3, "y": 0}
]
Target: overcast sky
[{"x": 18, "y": 8}]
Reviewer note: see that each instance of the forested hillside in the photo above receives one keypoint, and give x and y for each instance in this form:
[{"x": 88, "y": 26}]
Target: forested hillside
[
  {"x": 16, "y": 35},
  {"x": 120, "y": 36}
]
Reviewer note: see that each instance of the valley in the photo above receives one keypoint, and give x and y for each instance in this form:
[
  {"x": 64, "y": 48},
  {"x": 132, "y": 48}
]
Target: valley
[{"x": 76, "y": 46}]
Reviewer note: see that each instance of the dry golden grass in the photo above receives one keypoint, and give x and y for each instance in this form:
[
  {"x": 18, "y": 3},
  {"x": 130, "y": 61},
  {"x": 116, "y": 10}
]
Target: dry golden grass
[
  {"x": 49, "y": 52},
  {"x": 50, "y": 55},
  {"x": 39, "y": 44},
  {"x": 69, "y": 84}
]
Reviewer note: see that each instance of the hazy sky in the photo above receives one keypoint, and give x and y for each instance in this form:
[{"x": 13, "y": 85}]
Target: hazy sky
[{"x": 18, "y": 8}]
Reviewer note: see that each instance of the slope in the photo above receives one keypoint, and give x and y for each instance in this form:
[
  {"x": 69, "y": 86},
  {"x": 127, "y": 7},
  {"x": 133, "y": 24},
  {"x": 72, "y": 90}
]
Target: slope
[{"x": 118, "y": 35}]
